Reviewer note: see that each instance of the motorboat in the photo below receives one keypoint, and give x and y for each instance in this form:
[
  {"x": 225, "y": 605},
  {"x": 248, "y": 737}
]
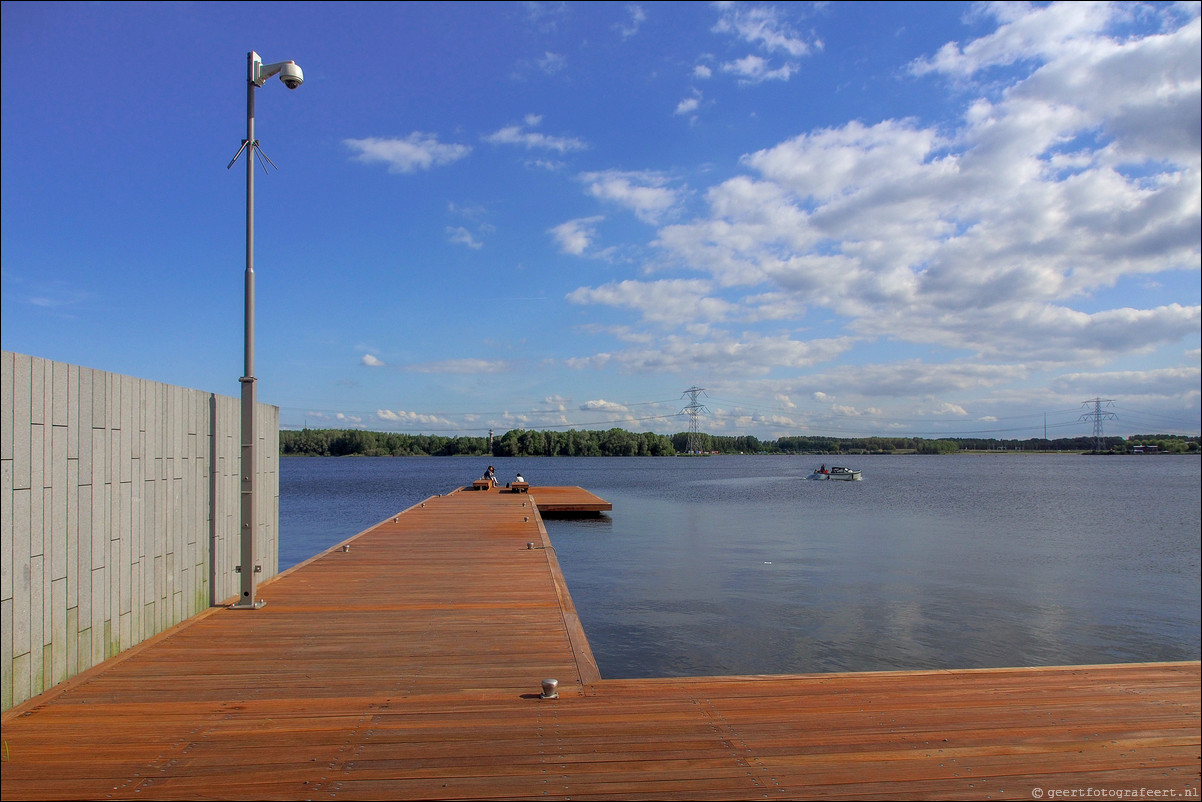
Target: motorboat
[{"x": 836, "y": 474}]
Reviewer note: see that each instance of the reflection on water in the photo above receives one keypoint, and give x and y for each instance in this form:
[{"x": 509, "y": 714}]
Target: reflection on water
[{"x": 736, "y": 565}]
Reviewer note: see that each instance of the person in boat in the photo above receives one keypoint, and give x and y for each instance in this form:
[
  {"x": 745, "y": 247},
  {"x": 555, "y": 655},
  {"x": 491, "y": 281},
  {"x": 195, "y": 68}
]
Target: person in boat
[
  {"x": 491, "y": 476},
  {"x": 823, "y": 469}
]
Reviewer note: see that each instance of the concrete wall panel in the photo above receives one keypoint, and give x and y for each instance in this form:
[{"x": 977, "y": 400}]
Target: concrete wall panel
[{"x": 120, "y": 514}]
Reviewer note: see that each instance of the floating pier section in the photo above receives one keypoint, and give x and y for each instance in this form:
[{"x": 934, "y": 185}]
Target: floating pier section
[{"x": 411, "y": 662}]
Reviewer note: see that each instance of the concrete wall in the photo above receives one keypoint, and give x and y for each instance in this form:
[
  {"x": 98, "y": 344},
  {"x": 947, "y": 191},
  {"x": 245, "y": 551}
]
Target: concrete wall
[{"x": 120, "y": 514}]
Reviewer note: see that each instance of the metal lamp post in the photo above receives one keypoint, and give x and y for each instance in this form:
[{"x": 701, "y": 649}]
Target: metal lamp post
[{"x": 248, "y": 568}]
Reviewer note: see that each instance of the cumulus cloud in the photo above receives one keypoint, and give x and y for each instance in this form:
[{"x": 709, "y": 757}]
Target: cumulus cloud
[
  {"x": 576, "y": 236},
  {"x": 740, "y": 355},
  {"x": 407, "y": 418},
  {"x": 371, "y": 361},
  {"x": 908, "y": 378},
  {"x": 1023, "y": 33},
  {"x": 418, "y": 151},
  {"x": 601, "y": 405},
  {"x": 646, "y": 193},
  {"x": 688, "y": 105},
  {"x": 1003, "y": 246},
  {"x": 1161, "y": 382},
  {"x": 1116, "y": 84},
  {"x": 987, "y": 238},
  {"x": 945, "y": 408},
  {"x": 673, "y": 302}
]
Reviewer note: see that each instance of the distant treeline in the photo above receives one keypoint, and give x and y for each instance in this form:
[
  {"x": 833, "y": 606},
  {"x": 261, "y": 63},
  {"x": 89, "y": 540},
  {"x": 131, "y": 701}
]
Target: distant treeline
[{"x": 621, "y": 443}]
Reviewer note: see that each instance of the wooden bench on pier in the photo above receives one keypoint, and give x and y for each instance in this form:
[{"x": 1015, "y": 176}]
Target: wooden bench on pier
[
  {"x": 519, "y": 487},
  {"x": 482, "y": 484}
]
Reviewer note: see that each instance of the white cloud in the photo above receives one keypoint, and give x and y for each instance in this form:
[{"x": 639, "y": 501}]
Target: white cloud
[
  {"x": 688, "y": 105},
  {"x": 911, "y": 378},
  {"x": 1162, "y": 382},
  {"x": 1144, "y": 91},
  {"x": 999, "y": 241},
  {"x": 549, "y": 165},
  {"x": 761, "y": 26},
  {"x": 461, "y": 236},
  {"x": 407, "y": 418},
  {"x": 945, "y": 408},
  {"x": 576, "y": 236},
  {"x": 644, "y": 192},
  {"x": 637, "y": 17},
  {"x": 601, "y": 405},
  {"x": 753, "y": 69},
  {"x": 372, "y": 362},
  {"x": 418, "y": 151},
  {"x": 533, "y": 140},
  {"x": 676, "y": 302},
  {"x": 742, "y": 354},
  {"x": 1025, "y": 32},
  {"x": 986, "y": 239},
  {"x": 850, "y": 411}
]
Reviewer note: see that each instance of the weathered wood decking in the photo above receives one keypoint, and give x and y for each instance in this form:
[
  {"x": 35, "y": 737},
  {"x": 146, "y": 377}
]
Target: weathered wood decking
[{"x": 409, "y": 667}]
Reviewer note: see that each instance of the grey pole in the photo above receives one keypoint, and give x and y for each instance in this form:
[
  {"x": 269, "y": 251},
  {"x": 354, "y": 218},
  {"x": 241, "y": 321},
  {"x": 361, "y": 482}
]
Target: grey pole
[
  {"x": 256, "y": 74},
  {"x": 248, "y": 567}
]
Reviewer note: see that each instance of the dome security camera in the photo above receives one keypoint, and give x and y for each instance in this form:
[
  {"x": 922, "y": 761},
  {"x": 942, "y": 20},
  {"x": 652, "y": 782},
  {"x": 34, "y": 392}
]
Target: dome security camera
[{"x": 291, "y": 75}]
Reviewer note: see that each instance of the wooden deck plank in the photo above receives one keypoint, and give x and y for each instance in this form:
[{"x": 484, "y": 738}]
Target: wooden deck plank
[{"x": 407, "y": 666}]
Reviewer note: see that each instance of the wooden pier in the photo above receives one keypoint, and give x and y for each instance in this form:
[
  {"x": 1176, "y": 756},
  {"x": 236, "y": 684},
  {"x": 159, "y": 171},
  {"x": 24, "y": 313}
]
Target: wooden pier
[{"x": 407, "y": 663}]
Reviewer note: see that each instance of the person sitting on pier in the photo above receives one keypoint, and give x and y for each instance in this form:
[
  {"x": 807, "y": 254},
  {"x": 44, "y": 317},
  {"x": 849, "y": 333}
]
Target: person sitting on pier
[
  {"x": 491, "y": 476},
  {"x": 519, "y": 479}
]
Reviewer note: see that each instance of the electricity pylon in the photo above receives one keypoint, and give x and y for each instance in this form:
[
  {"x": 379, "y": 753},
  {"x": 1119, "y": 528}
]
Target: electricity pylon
[
  {"x": 693, "y": 409},
  {"x": 1097, "y": 416}
]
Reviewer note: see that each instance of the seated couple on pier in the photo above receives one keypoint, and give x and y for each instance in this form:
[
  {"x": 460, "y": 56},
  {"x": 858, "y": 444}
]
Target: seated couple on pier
[
  {"x": 486, "y": 482},
  {"x": 489, "y": 480}
]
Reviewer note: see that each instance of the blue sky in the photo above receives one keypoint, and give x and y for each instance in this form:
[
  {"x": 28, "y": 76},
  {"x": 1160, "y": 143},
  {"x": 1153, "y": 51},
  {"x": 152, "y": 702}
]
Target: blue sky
[{"x": 842, "y": 219}]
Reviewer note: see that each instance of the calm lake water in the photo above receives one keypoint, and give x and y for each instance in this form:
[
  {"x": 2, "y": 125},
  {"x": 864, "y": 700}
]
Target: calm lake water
[{"x": 738, "y": 565}]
